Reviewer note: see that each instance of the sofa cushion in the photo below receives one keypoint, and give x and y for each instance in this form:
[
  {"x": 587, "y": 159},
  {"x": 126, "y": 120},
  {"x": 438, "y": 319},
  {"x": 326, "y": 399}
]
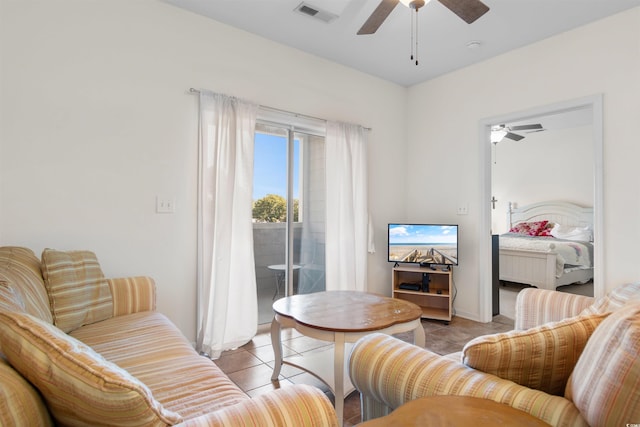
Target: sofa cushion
[
  {"x": 541, "y": 358},
  {"x": 159, "y": 355},
  {"x": 20, "y": 403},
  {"x": 604, "y": 383},
  {"x": 79, "y": 385},
  {"x": 78, "y": 292},
  {"x": 21, "y": 269}
]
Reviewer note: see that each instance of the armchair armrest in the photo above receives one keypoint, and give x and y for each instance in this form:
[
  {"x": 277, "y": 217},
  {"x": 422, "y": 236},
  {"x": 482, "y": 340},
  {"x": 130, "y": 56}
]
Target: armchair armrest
[
  {"x": 298, "y": 405},
  {"x": 132, "y": 294},
  {"x": 535, "y": 307},
  {"x": 389, "y": 372}
]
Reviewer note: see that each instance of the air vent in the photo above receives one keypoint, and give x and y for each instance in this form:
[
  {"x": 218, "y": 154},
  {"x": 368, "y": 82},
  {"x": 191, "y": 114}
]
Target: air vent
[{"x": 315, "y": 12}]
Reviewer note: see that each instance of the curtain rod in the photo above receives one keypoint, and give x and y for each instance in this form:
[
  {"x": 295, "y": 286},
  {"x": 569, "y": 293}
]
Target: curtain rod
[{"x": 278, "y": 110}]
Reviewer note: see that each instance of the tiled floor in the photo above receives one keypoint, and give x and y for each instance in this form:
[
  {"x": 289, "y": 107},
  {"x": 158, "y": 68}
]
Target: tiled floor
[{"x": 251, "y": 365}]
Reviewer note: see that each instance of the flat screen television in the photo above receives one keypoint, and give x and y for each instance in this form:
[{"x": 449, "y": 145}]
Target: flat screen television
[{"x": 425, "y": 244}]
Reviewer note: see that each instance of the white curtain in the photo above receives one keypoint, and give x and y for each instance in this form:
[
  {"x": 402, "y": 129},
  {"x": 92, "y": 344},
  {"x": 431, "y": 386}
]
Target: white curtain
[
  {"x": 347, "y": 231},
  {"x": 227, "y": 298}
]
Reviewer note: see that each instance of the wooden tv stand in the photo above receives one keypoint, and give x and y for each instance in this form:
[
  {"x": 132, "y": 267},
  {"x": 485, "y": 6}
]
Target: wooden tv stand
[{"x": 437, "y": 302}]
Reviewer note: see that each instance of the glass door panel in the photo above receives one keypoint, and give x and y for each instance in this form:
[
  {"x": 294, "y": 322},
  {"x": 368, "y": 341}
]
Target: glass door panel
[
  {"x": 311, "y": 226},
  {"x": 288, "y": 215}
]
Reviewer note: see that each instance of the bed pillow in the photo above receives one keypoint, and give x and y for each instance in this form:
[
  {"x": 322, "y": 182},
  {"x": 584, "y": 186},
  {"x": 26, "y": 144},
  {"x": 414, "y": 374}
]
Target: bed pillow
[
  {"x": 546, "y": 231},
  {"x": 78, "y": 291},
  {"x": 541, "y": 358},
  {"x": 531, "y": 228},
  {"x": 604, "y": 383},
  {"x": 79, "y": 386},
  {"x": 582, "y": 234}
]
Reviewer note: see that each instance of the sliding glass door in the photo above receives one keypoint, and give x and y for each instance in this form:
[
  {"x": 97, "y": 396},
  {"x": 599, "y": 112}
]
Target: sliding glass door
[{"x": 288, "y": 214}]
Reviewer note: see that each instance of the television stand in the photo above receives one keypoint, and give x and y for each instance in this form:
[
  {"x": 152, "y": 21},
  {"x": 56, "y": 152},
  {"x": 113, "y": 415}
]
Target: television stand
[{"x": 437, "y": 302}]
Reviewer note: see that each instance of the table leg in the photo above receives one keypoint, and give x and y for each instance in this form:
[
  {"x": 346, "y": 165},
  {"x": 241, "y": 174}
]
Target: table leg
[
  {"x": 418, "y": 336},
  {"x": 279, "y": 280},
  {"x": 338, "y": 375},
  {"x": 276, "y": 343}
]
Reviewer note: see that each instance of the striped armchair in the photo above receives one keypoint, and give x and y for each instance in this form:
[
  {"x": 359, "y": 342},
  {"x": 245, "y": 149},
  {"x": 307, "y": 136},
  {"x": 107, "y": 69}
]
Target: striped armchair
[{"x": 560, "y": 364}]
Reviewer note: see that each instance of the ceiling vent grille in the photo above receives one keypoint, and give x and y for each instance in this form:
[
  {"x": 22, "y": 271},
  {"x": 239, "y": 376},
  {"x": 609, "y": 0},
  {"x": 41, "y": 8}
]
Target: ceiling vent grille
[{"x": 315, "y": 12}]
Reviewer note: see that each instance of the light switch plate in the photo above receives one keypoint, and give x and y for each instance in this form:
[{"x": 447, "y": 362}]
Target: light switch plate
[{"x": 165, "y": 204}]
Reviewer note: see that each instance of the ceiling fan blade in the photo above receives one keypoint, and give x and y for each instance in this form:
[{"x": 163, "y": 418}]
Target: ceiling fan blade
[
  {"x": 536, "y": 126},
  {"x": 378, "y": 16},
  {"x": 514, "y": 136},
  {"x": 467, "y": 10}
]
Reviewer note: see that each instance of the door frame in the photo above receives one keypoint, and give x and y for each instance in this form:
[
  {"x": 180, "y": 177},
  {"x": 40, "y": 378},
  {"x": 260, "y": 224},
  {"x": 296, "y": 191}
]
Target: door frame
[{"x": 595, "y": 103}]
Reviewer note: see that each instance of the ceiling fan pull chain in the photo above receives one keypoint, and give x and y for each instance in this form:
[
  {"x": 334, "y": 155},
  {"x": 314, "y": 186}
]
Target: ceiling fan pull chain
[
  {"x": 411, "y": 19},
  {"x": 416, "y": 36}
]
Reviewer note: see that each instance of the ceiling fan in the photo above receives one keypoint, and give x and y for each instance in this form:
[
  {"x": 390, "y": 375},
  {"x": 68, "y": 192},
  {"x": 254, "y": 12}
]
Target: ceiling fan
[
  {"x": 499, "y": 132},
  {"x": 467, "y": 10}
]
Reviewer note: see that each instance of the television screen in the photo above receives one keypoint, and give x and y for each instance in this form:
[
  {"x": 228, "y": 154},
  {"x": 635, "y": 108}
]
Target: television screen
[{"x": 423, "y": 244}]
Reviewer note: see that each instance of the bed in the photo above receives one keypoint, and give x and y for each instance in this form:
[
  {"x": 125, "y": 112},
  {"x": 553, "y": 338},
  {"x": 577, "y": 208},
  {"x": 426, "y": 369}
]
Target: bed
[{"x": 558, "y": 253}]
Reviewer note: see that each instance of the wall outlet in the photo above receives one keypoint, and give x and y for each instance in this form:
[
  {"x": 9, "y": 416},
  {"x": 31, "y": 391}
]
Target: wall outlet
[
  {"x": 463, "y": 210},
  {"x": 165, "y": 205}
]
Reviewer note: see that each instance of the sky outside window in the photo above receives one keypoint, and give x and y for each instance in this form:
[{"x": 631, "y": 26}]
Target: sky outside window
[{"x": 270, "y": 166}]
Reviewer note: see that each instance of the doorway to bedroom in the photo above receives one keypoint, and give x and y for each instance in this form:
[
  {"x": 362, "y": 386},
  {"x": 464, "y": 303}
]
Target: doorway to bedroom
[{"x": 545, "y": 158}]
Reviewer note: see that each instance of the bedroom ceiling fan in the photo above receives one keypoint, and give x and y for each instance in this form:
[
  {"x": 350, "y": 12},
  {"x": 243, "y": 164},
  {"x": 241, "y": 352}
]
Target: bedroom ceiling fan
[
  {"x": 467, "y": 10},
  {"x": 499, "y": 132}
]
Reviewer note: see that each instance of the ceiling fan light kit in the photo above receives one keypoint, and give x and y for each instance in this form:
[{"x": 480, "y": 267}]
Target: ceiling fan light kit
[
  {"x": 467, "y": 10},
  {"x": 499, "y": 132},
  {"x": 414, "y": 4}
]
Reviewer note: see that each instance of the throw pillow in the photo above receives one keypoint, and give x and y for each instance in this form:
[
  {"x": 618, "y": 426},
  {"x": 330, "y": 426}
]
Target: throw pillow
[
  {"x": 541, "y": 358},
  {"x": 78, "y": 292},
  {"x": 615, "y": 299},
  {"x": 604, "y": 383},
  {"x": 21, "y": 269},
  {"x": 20, "y": 403},
  {"x": 9, "y": 299},
  {"x": 79, "y": 385},
  {"x": 529, "y": 228}
]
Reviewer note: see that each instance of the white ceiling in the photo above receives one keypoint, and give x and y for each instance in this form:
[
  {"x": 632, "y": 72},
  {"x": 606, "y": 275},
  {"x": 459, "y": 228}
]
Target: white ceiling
[{"x": 443, "y": 37}]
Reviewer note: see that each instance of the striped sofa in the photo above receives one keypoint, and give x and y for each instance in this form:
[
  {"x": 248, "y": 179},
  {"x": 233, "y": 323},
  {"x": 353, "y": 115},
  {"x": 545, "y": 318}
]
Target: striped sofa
[
  {"x": 78, "y": 349},
  {"x": 571, "y": 361}
]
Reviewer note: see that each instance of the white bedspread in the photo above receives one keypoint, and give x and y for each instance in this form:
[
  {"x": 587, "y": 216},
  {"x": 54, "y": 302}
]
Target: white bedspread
[{"x": 569, "y": 253}]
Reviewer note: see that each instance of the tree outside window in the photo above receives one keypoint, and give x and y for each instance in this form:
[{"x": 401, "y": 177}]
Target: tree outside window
[{"x": 273, "y": 208}]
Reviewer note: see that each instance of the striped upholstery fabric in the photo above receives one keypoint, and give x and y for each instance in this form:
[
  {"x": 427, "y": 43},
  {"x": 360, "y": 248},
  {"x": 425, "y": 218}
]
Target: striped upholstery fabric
[
  {"x": 78, "y": 292},
  {"x": 21, "y": 268},
  {"x": 80, "y": 387},
  {"x": 616, "y": 299},
  {"x": 132, "y": 295},
  {"x": 389, "y": 372},
  {"x": 541, "y": 358},
  {"x": 153, "y": 350},
  {"x": 605, "y": 385},
  {"x": 535, "y": 307},
  {"x": 298, "y": 405},
  {"x": 9, "y": 299},
  {"x": 20, "y": 403}
]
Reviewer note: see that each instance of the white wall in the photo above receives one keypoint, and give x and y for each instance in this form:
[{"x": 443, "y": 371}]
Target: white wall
[
  {"x": 97, "y": 121},
  {"x": 444, "y": 116},
  {"x": 553, "y": 165}
]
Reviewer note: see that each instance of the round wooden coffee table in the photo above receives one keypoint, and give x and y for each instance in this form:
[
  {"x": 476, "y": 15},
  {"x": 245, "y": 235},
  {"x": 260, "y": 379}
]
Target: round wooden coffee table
[
  {"x": 340, "y": 317},
  {"x": 454, "y": 411}
]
